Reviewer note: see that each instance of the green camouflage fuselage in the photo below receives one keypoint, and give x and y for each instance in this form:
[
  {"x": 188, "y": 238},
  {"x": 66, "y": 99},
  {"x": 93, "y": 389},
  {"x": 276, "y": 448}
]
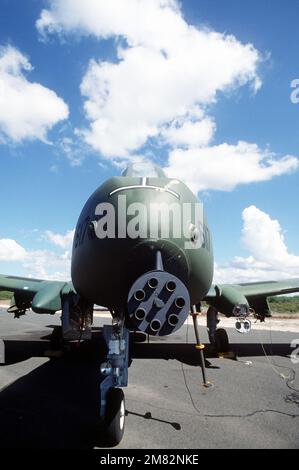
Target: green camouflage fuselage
[{"x": 104, "y": 269}]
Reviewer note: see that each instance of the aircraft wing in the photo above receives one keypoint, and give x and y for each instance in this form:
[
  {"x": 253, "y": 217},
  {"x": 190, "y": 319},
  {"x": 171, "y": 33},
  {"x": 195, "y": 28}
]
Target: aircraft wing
[
  {"x": 42, "y": 296},
  {"x": 225, "y": 296}
]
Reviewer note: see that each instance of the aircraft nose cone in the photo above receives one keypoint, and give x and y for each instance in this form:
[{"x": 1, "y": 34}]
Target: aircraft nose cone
[{"x": 158, "y": 303}]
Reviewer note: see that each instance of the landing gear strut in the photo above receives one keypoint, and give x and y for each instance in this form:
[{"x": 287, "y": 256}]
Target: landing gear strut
[
  {"x": 115, "y": 370},
  {"x": 218, "y": 336}
]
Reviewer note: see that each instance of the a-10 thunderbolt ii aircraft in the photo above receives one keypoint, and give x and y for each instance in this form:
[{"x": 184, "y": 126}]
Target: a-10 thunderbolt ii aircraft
[{"x": 142, "y": 248}]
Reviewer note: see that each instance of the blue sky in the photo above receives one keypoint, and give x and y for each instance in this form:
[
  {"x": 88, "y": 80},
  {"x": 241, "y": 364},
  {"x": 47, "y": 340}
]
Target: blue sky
[{"x": 45, "y": 184}]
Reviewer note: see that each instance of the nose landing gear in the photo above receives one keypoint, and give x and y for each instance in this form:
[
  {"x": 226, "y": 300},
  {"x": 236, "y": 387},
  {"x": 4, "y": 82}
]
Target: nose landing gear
[{"x": 115, "y": 371}]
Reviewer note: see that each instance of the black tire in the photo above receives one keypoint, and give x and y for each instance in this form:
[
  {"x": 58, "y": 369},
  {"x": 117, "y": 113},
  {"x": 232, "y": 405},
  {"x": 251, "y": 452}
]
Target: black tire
[
  {"x": 221, "y": 340},
  {"x": 115, "y": 417}
]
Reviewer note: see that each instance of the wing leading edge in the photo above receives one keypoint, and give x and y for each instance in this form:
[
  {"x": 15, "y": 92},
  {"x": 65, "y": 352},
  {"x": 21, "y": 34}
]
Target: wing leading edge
[
  {"x": 40, "y": 295},
  {"x": 225, "y": 296}
]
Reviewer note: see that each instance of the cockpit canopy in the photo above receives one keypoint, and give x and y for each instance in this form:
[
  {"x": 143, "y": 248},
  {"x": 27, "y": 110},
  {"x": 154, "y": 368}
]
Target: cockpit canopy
[{"x": 144, "y": 169}]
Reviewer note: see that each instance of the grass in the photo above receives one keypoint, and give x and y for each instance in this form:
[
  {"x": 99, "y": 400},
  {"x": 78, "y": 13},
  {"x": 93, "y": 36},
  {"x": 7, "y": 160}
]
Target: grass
[
  {"x": 284, "y": 304},
  {"x": 279, "y": 305},
  {"x": 5, "y": 295}
]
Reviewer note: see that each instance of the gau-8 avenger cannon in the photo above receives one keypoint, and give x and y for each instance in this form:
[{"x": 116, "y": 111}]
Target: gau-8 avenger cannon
[{"x": 143, "y": 249}]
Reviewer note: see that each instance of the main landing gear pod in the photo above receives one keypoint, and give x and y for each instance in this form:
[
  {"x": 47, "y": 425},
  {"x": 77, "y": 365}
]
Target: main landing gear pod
[{"x": 158, "y": 303}]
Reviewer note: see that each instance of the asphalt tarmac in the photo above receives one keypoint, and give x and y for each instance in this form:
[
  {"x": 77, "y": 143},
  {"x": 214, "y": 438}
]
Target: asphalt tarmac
[{"x": 53, "y": 403}]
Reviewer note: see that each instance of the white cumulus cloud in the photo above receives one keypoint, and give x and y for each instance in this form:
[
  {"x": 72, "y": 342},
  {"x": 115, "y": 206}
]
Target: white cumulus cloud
[
  {"x": 192, "y": 134},
  {"x": 264, "y": 238},
  {"x": 62, "y": 240},
  {"x": 10, "y": 250},
  {"x": 160, "y": 87},
  {"x": 166, "y": 72},
  {"x": 269, "y": 257},
  {"x": 27, "y": 110},
  {"x": 48, "y": 265},
  {"x": 224, "y": 166}
]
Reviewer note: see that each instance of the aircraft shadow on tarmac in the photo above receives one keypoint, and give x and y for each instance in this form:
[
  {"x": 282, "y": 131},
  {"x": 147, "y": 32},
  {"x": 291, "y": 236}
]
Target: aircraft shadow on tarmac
[
  {"x": 56, "y": 405},
  {"x": 187, "y": 353}
]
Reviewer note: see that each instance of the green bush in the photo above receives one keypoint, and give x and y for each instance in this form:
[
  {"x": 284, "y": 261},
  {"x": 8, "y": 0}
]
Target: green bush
[
  {"x": 5, "y": 295},
  {"x": 284, "y": 304}
]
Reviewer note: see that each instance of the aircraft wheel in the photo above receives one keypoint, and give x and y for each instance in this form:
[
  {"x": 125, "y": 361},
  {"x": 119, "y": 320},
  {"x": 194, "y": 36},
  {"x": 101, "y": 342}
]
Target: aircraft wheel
[
  {"x": 221, "y": 340},
  {"x": 115, "y": 417}
]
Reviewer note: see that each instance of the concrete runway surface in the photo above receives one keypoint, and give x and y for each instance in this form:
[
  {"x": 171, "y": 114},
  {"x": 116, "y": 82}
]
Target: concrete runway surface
[{"x": 53, "y": 403}]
